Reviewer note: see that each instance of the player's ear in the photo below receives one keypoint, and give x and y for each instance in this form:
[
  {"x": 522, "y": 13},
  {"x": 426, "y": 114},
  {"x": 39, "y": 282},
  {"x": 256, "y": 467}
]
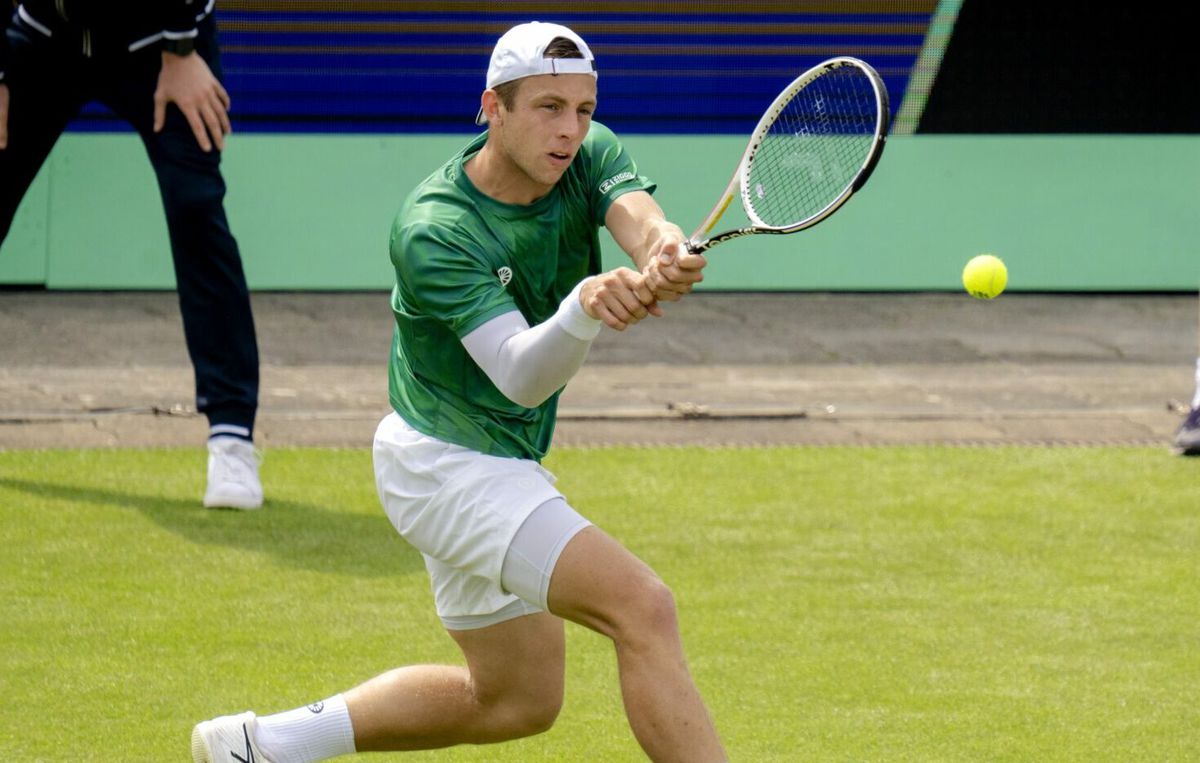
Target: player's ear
[{"x": 490, "y": 103}]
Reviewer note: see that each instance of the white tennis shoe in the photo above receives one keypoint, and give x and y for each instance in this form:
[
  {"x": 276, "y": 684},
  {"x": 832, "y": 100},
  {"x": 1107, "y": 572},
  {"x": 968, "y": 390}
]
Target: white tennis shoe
[
  {"x": 233, "y": 475},
  {"x": 228, "y": 739}
]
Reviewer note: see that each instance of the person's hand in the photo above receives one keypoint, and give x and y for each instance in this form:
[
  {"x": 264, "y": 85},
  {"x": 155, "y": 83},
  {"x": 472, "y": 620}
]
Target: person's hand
[
  {"x": 619, "y": 297},
  {"x": 671, "y": 270},
  {"x": 187, "y": 82},
  {"x": 3, "y": 116}
]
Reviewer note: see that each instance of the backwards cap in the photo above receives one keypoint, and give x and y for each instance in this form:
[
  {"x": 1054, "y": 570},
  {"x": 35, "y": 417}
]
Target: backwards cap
[{"x": 520, "y": 53}]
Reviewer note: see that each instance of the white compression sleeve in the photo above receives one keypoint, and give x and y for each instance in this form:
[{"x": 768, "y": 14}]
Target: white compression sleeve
[{"x": 530, "y": 364}]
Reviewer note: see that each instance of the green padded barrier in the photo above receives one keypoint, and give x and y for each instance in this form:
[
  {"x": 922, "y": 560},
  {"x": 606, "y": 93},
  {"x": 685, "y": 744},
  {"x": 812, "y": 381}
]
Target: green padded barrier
[{"x": 1067, "y": 213}]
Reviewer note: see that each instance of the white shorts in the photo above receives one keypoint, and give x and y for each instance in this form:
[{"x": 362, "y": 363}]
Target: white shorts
[{"x": 461, "y": 509}]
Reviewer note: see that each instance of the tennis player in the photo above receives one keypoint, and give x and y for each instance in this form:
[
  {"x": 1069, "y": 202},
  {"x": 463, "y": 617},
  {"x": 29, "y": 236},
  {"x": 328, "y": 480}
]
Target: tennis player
[{"x": 499, "y": 294}]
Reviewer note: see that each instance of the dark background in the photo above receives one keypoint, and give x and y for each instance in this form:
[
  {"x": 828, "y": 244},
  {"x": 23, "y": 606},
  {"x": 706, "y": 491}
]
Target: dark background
[{"x": 1067, "y": 67}]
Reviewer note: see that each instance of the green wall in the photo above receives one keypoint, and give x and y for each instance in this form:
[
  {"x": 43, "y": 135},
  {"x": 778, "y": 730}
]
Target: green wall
[{"x": 1067, "y": 213}]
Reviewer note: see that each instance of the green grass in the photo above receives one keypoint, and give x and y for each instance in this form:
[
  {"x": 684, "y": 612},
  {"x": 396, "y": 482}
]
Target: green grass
[{"x": 837, "y": 604}]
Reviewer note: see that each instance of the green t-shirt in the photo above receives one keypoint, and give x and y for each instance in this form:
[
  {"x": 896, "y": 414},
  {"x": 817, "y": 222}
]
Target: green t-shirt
[{"x": 463, "y": 258}]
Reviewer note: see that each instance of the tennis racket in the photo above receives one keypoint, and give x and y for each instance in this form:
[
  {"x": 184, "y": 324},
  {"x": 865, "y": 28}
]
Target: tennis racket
[{"x": 815, "y": 146}]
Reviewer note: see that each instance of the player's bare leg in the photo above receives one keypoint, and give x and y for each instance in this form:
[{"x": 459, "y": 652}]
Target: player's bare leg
[
  {"x": 512, "y": 687},
  {"x": 598, "y": 583}
]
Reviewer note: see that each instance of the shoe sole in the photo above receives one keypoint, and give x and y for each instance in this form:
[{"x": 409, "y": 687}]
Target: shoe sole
[
  {"x": 233, "y": 505},
  {"x": 242, "y": 503}
]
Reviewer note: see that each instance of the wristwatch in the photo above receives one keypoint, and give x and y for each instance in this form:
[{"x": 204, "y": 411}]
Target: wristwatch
[{"x": 181, "y": 47}]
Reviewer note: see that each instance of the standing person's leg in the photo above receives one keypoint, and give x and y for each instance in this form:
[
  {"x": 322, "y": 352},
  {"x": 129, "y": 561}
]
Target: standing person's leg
[
  {"x": 213, "y": 296},
  {"x": 46, "y": 89}
]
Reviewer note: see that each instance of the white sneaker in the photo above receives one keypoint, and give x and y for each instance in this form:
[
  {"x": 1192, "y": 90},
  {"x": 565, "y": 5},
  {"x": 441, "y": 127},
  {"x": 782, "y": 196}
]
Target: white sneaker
[
  {"x": 228, "y": 739},
  {"x": 233, "y": 475}
]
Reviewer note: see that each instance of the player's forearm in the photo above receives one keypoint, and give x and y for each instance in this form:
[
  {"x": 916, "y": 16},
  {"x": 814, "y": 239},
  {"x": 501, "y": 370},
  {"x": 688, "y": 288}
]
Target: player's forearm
[
  {"x": 634, "y": 221},
  {"x": 528, "y": 365}
]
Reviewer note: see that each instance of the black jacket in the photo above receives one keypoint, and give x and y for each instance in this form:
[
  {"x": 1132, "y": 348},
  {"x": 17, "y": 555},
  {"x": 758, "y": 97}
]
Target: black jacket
[{"x": 116, "y": 25}]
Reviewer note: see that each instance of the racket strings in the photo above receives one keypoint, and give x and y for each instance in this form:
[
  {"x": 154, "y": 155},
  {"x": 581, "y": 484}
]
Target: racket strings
[{"x": 814, "y": 150}]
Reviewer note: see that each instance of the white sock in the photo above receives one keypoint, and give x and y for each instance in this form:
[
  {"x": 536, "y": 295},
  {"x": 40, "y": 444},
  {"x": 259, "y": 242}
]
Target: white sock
[
  {"x": 1196, "y": 397},
  {"x": 318, "y": 731}
]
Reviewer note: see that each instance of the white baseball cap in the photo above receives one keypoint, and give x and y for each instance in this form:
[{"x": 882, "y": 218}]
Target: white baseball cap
[{"x": 520, "y": 52}]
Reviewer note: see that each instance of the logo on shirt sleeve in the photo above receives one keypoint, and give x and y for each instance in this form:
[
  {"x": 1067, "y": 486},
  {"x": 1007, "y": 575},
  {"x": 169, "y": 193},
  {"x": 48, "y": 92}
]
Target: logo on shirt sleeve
[
  {"x": 620, "y": 177},
  {"x": 505, "y": 275}
]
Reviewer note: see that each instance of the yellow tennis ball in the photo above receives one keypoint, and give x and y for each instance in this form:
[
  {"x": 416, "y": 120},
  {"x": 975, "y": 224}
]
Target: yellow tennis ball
[{"x": 985, "y": 276}]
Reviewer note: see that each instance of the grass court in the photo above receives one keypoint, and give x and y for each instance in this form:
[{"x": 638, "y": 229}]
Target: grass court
[{"x": 900, "y": 603}]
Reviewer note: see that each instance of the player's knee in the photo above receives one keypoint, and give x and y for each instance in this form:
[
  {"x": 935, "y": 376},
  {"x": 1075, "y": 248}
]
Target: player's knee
[
  {"x": 539, "y": 716},
  {"x": 515, "y": 711},
  {"x": 661, "y": 617},
  {"x": 650, "y": 615},
  {"x": 517, "y": 718}
]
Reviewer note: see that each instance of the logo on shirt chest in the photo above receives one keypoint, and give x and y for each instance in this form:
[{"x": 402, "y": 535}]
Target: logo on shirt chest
[{"x": 505, "y": 275}]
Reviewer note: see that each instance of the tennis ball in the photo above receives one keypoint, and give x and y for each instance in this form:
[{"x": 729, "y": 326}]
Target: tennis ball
[{"x": 985, "y": 277}]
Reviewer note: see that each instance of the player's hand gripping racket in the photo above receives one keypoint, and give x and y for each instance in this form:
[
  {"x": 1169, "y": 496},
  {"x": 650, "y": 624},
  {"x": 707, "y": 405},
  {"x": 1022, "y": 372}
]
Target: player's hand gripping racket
[{"x": 814, "y": 147}]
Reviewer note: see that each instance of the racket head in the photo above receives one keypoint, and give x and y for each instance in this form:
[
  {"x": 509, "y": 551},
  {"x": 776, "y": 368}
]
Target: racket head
[{"x": 815, "y": 145}]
